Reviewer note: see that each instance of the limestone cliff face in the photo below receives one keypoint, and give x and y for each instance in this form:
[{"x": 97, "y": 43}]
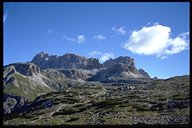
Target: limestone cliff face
[
  {"x": 120, "y": 68},
  {"x": 125, "y": 60},
  {"x": 67, "y": 61}
]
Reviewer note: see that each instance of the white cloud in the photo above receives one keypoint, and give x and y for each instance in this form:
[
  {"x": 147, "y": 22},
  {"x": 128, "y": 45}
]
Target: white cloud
[
  {"x": 6, "y": 12},
  {"x": 5, "y": 17},
  {"x": 156, "y": 24},
  {"x": 178, "y": 44},
  {"x": 156, "y": 40},
  {"x": 102, "y": 56},
  {"x": 106, "y": 56},
  {"x": 148, "y": 24},
  {"x": 120, "y": 30},
  {"x": 95, "y": 53},
  {"x": 163, "y": 57},
  {"x": 68, "y": 38},
  {"x": 50, "y": 31},
  {"x": 100, "y": 37},
  {"x": 81, "y": 39}
]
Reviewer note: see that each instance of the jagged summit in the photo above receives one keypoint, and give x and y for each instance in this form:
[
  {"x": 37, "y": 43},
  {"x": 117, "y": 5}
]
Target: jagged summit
[
  {"x": 122, "y": 59},
  {"x": 67, "y": 61},
  {"x": 42, "y": 54}
]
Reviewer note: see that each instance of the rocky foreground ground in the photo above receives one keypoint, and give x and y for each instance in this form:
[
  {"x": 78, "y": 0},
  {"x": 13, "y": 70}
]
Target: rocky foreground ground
[{"x": 155, "y": 102}]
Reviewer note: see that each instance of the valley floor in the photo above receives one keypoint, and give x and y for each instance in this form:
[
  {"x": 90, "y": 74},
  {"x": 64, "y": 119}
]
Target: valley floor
[{"x": 158, "y": 102}]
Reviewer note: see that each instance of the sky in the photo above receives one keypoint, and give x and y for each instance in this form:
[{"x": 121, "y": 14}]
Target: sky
[{"x": 155, "y": 34}]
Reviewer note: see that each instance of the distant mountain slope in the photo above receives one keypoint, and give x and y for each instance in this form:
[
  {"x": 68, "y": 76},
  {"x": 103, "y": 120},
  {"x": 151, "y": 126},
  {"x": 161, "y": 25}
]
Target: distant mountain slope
[
  {"x": 22, "y": 82},
  {"x": 24, "y": 79}
]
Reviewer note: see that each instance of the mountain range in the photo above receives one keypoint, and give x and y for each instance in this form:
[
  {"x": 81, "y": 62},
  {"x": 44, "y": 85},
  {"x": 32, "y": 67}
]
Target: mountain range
[{"x": 47, "y": 73}]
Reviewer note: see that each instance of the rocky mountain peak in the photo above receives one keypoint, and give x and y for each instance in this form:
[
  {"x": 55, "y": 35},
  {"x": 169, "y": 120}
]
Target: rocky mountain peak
[
  {"x": 70, "y": 55},
  {"x": 142, "y": 72},
  {"x": 121, "y": 65},
  {"x": 122, "y": 59},
  {"x": 119, "y": 68},
  {"x": 67, "y": 61},
  {"x": 73, "y": 58},
  {"x": 42, "y": 55}
]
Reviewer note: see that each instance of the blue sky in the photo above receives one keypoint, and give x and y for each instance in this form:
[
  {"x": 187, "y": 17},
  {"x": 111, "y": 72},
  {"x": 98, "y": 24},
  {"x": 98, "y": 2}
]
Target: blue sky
[{"x": 156, "y": 35}]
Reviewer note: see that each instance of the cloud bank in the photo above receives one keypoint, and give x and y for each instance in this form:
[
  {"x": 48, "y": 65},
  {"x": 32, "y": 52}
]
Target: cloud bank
[{"x": 156, "y": 40}]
